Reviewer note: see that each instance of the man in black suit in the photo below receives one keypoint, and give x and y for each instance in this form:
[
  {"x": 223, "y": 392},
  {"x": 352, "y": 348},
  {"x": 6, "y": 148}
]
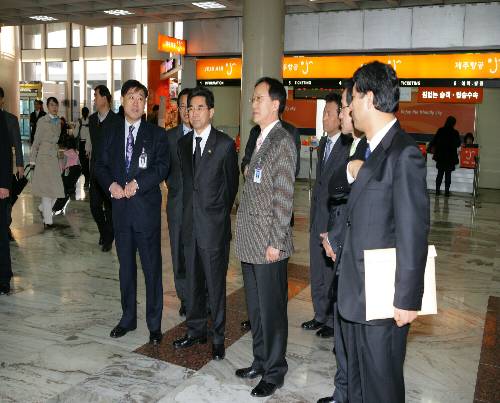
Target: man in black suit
[
  {"x": 101, "y": 125},
  {"x": 5, "y": 186},
  {"x": 209, "y": 167},
  {"x": 174, "y": 199},
  {"x": 388, "y": 207},
  {"x": 34, "y": 116},
  {"x": 333, "y": 152},
  {"x": 132, "y": 163}
]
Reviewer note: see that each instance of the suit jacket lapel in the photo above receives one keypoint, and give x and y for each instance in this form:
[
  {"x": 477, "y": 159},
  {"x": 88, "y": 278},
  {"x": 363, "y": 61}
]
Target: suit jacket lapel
[
  {"x": 333, "y": 156},
  {"x": 207, "y": 151},
  {"x": 137, "y": 150},
  {"x": 120, "y": 145},
  {"x": 266, "y": 145},
  {"x": 371, "y": 165}
]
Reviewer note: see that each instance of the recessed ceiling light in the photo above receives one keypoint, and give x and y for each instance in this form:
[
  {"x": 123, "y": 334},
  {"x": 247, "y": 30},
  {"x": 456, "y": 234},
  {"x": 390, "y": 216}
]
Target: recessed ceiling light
[
  {"x": 43, "y": 18},
  {"x": 208, "y": 5},
  {"x": 118, "y": 12}
]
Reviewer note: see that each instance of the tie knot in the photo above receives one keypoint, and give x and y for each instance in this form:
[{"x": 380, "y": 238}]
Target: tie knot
[
  {"x": 198, "y": 139},
  {"x": 131, "y": 129}
]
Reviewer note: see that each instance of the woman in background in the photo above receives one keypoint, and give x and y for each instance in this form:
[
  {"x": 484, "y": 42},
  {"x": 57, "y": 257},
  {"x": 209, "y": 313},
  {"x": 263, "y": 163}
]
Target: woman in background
[{"x": 47, "y": 182}]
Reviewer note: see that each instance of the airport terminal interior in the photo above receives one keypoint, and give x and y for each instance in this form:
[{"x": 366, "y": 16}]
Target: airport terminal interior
[{"x": 65, "y": 292}]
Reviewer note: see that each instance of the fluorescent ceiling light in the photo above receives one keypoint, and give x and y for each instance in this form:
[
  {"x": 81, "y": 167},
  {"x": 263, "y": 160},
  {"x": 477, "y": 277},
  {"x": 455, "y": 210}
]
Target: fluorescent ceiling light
[
  {"x": 118, "y": 12},
  {"x": 208, "y": 5},
  {"x": 43, "y": 18}
]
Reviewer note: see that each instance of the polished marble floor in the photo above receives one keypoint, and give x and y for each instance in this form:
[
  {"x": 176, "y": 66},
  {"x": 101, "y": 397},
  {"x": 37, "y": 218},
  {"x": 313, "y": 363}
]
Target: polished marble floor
[{"x": 54, "y": 327}]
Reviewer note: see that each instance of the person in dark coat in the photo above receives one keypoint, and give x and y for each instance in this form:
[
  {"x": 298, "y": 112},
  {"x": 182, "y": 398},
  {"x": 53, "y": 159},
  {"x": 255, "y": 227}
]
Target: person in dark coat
[
  {"x": 34, "y": 116},
  {"x": 444, "y": 147}
]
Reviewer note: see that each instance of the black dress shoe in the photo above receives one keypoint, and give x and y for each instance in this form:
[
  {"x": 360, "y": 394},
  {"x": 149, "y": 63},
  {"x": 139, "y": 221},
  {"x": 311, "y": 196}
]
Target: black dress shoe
[
  {"x": 48, "y": 226},
  {"x": 182, "y": 310},
  {"x": 119, "y": 331},
  {"x": 249, "y": 373},
  {"x": 4, "y": 288},
  {"x": 312, "y": 324},
  {"x": 218, "y": 352},
  {"x": 328, "y": 399},
  {"x": 101, "y": 242},
  {"x": 245, "y": 325},
  {"x": 325, "y": 332},
  {"x": 107, "y": 247},
  {"x": 155, "y": 337},
  {"x": 264, "y": 389},
  {"x": 11, "y": 237},
  {"x": 188, "y": 341}
]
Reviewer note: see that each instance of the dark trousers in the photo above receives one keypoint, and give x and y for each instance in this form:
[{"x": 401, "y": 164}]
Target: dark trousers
[
  {"x": 375, "y": 358},
  {"x": 447, "y": 179},
  {"x": 178, "y": 261},
  {"x": 69, "y": 182},
  {"x": 321, "y": 273},
  {"x": 206, "y": 270},
  {"x": 5, "y": 263},
  {"x": 84, "y": 162},
  {"x": 340, "y": 394},
  {"x": 266, "y": 289},
  {"x": 128, "y": 242},
  {"x": 100, "y": 207}
]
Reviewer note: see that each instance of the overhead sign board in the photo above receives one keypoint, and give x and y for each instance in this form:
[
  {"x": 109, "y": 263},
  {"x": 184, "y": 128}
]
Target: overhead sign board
[{"x": 172, "y": 45}]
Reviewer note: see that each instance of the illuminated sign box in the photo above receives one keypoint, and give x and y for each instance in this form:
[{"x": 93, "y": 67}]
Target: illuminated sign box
[
  {"x": 450, "y": 95},
  {"x": 172, "y": 45}
]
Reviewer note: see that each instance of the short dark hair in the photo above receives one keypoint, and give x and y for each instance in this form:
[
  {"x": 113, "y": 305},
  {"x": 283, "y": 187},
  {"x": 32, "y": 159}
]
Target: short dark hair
[
  {"x": 277, "y": 91},
  {"x": 156, "y": 108},
  {"x": 70, "y": 143},
  {"x": 85, "y": 112},
  {"x": 450, "y": 121},
  {"x": 202, "y": 92},
  {"x": 133, "y": 84},
  {"x": 381, "y": 80},
  {"x": 2, "y": 94},
  {"x": 52, "y": 99},
  {"x": 334, "y": 97},
  {"x": 348, "y": 84},
  {"x": 39, "y": 102},
  {"x": 104, "y": 92},
  {"x": 185, "y": 91}
]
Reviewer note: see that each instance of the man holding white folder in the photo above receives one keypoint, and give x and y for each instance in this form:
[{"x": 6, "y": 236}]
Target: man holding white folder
[{"x": 388, "y": 207}]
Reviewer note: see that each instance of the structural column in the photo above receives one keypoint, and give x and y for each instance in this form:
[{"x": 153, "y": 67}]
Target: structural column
[{"x": 263, "y": 46}]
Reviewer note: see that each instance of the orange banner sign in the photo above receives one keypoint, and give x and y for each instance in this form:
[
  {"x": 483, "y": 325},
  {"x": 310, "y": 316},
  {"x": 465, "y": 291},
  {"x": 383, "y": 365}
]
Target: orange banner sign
[
  {"x": 172, "y": 45},
  {"x": 421, "y": 66},
  {"x": 450, "y": 95}
]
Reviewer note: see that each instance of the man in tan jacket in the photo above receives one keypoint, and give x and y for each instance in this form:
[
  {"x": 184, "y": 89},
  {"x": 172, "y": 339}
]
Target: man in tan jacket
[{"x": 264, "y": 237}]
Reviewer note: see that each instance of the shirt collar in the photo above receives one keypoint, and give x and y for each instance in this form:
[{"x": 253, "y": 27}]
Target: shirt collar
[
  {"x": 265, "y": 131},
  {"x": 204, "y": 134},
  {"x": 185, "y": 129},
  {"x": 103, "y": 116},
  {"x": 377, "y": 138},
  {"x": 135, "y": 124},
  {"x": 333, "y": 138}
]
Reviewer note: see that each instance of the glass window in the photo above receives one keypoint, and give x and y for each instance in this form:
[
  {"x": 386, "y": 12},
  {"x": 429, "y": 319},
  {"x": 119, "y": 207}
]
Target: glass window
[
  {"x": 75, "y": 35},
  {"x": 56, "y": 35},
  {"x": 32, "y": 71},
  {"x": 144, "y": 34},
  {"x": 123, "y": 70},
  {"x": 97, "y": 74},
  {"x": 32, "y": 36},
  {"x": 96, "y": 36},
  {"x": 75, "y": 92},
  {"x": 125, "y": 35},
  {"x": 56, "y": 71}
]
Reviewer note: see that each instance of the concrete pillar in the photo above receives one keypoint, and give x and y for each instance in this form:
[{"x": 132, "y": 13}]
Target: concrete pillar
[
  {"x": 9, "y": 65},
  {"x": 263, "y": 46}
]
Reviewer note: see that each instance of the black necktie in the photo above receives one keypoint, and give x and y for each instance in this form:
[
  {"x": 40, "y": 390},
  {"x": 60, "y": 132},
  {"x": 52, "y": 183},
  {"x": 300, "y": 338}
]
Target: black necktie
[{"x": 197, "y": 153}]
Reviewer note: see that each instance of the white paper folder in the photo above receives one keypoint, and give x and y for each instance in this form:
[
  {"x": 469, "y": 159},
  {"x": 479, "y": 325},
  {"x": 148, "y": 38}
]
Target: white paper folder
[{"x": 380, "y": 273}]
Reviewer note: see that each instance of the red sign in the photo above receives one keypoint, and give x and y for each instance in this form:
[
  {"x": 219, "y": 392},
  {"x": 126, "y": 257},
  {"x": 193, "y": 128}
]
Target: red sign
[
  {"x": 468, "y": 157},
  {"x": 450, "y": 95}
]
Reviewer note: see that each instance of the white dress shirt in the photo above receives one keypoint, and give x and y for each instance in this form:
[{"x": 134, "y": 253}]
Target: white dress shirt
[
  {"x": 103, "y": 116},
  {"x": 185, "y": 129},
  {"x": 263, "y": 134},
  {"x": 204, "y": 137},
  {"x": 373, "y": 143}
]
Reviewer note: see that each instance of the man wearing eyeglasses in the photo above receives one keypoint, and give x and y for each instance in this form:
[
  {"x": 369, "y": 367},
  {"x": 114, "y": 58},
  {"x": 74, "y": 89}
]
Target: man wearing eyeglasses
[
  {"x": 264, "y": 237},
  {"x": 209, "y": 169},
  {"x": 174, "y": 199}
]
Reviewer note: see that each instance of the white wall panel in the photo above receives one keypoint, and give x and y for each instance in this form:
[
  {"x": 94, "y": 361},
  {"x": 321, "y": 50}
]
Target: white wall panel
[
  {"x": 301, "y": 32},
  {"x": 213, "y": 36},
  {"x": 438, "y": 27},
  {"x": 482, "y": 25},
  {"x": 384, "y": 29},
  {"x": 341, "y": 31}
]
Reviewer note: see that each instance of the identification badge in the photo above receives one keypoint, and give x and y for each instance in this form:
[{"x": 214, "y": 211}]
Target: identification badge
[
  {"x": 143, "y": 160},
  {"x": 257, "y": 176}
]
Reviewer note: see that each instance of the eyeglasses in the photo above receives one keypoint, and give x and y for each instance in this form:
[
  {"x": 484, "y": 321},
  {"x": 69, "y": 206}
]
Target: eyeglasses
[
  {"x": 198, "y": 108},
  {"x": 258, "y": 98},
  {"x": 183, "y": 107}
]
